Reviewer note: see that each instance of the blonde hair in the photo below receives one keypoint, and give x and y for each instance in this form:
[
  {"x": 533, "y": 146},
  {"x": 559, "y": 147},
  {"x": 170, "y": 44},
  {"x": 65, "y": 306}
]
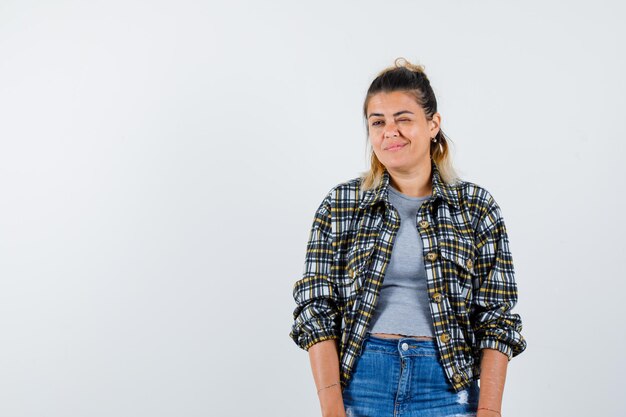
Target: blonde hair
[{"x": 411, "y": 79}]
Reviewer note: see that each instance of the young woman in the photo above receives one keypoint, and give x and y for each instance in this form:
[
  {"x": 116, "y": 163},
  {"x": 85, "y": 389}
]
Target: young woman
[{"x": 408, "y": 284}]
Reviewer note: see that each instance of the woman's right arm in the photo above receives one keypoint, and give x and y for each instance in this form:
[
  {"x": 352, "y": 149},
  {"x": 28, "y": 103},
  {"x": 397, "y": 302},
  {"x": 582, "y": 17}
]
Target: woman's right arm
[
  {"x": 317, "y": 319},
  {"x": 325, "y": 366}
]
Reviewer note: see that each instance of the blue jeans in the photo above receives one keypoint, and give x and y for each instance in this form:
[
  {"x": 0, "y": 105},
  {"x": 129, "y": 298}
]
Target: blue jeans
[{"x": 404, "y": 378}]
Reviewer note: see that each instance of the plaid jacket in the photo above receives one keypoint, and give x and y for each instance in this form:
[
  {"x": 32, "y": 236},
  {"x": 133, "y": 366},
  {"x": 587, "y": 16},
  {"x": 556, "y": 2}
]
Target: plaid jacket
[{"x": 468, "y": 263}]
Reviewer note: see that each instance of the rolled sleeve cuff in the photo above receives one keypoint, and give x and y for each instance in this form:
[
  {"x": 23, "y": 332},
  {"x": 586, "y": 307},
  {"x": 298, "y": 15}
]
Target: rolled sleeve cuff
[
  {"x": 510, "y": 343},
  {"x": 307, "y": 338},
  {"x": 493, "y": 343}
]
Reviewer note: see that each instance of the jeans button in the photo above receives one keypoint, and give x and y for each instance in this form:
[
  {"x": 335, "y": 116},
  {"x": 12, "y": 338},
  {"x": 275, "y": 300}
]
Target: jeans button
[{"x": 405, "y": 346}]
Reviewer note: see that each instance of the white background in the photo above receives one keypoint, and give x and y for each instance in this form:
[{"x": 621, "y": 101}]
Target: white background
[{"x": 161, "y": 162}]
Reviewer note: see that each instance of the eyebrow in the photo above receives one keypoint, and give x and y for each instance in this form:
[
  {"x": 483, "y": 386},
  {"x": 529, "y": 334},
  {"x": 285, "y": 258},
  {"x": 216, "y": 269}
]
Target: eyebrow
[{"x": 394, "y": 115}]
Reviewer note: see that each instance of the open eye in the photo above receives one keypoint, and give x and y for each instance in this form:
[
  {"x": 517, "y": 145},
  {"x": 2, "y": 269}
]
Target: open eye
[{"x": 377, "y": 122}]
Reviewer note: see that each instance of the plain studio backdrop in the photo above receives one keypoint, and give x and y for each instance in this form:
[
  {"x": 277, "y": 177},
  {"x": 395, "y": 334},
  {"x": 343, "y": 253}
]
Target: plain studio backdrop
[{"x": 161, "y": 163}]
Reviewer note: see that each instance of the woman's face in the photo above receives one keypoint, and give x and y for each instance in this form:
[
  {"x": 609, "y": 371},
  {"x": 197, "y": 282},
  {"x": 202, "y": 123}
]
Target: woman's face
[{"x": 399, "y": 132}]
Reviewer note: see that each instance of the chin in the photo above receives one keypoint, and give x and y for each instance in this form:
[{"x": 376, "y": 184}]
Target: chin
[{"x": 396, "y": 166}]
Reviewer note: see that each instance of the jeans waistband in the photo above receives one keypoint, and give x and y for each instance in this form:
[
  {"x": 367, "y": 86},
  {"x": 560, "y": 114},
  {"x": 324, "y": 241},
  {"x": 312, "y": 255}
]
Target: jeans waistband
[{"x": 401, "y": 345}]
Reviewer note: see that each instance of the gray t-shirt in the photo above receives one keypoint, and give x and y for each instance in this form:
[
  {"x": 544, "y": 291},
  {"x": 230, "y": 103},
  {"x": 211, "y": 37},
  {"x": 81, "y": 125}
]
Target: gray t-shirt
[{"x": 403, "y": 305}]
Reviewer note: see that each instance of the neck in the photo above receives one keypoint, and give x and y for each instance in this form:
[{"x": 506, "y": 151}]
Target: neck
[{"x": 414, "y": 183}]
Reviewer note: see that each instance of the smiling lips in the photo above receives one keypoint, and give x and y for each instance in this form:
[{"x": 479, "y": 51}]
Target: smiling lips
[{"x": 396, "y": 146}]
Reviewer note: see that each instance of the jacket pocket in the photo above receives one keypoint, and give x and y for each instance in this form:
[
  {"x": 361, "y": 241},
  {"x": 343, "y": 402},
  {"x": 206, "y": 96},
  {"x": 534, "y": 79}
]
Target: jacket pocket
[
  {"x": 357, "y": 265},
  {"x": 461, "y": 252},
  {"x": 457, "y": 267}
]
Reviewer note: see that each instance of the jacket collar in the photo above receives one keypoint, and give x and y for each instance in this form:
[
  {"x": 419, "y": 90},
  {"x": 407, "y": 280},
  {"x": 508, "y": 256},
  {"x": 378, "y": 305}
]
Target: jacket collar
[{"x": 441, "y": 190}]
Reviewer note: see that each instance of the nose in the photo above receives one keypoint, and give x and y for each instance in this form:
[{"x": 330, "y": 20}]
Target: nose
[{"x": 391, "y": 131}]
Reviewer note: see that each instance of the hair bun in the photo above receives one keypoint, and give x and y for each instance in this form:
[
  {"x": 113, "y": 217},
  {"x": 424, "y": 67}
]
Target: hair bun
[{"x": 402, "y": 62}]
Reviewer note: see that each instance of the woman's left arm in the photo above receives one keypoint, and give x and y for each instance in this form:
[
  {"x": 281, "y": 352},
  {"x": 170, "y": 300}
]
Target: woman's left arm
[{"x": 496, "y": 327}]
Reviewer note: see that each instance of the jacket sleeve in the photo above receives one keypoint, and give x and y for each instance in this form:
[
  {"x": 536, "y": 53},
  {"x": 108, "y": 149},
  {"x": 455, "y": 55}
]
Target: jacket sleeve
[
  {"x": 316, "y": 316},
  {"x": 495, "y": 290}
]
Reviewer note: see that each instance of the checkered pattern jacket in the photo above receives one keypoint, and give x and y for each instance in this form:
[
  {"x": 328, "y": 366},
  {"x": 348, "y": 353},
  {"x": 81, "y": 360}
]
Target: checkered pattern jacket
[{"x": 469, "y": 269}]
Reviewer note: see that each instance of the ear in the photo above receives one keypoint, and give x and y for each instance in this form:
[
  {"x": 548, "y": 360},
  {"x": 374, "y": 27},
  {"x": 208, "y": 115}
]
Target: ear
[{"x": 435, "y": 124}]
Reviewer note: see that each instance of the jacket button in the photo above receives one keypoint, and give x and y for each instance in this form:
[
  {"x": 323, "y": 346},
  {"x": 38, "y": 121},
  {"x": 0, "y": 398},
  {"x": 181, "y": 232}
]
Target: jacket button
[
  {"x": 423, "y": 224},
  {"x": 437, "y": 297},
  {"x": 457, "y": 377},
  {"x": 469, "y": 263},
  {"x": 445, "y": 337},
  {"x": 431, "y": 256}
]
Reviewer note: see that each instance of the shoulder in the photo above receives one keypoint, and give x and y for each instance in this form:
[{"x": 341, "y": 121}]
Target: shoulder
[
  {"x": 340, "y": 204},
  {"x": 473, "y": 195},
  {"x": 344, "y": 193},
  {"x": 340, "y": 197},
  {"x": 481, "y": 204}
]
